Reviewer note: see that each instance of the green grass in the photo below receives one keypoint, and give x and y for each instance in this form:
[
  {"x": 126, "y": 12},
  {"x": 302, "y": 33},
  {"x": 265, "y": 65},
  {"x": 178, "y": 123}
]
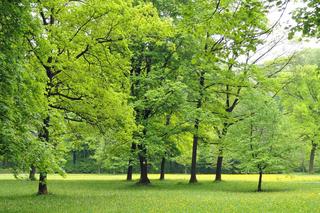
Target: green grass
[{"x": 109, "y": 193}]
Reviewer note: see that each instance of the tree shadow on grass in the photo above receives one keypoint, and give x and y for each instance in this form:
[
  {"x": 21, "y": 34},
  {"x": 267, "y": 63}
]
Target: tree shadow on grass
[
  {"x": 172, "y": 185},
  {"x": 100, "y": 186},
  {"x": 230, "y": 186}
]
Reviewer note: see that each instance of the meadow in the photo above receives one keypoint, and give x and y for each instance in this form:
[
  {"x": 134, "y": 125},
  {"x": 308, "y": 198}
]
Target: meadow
[{"x": 110, "y": 193}]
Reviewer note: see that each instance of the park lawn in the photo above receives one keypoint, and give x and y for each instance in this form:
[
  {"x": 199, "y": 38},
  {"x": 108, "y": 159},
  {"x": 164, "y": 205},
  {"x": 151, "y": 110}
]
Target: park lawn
[{"x": 110, "y": 193}]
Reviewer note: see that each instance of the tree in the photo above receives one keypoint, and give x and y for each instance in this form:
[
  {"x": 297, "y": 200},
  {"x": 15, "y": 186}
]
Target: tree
[
  {"x": 259, "y": 141},
  {"x": 216, "y": 60},
  {"x": 301, "y": 97},
  {"x": 84, "y": 56},
  {"x": 153, "y": 89}
]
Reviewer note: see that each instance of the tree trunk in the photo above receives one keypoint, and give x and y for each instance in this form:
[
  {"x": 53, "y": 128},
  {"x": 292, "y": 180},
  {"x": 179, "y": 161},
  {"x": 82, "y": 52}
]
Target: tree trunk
[
  {"x": 219, "y": 168},
  {"x": 260, "y": 181},
  {"x": 312, "y": 155},
  {"x": 143, "y": 170},
  {"x": 42, "y": 190},
  {"x": 130, "y": 167},
  {"x": 221, "y": 135},
  {"x": 143, "y": 165},
  {"x": 193, "y": 178},
  {"x": 129, "y": 172},
  {"x": 44, "y": 135},
  {"x": 32, "y": 173},
  {"x": 163, "y": 161},
  {"x": 162, "y": 168},
  {"x": 74, "y": 157}
]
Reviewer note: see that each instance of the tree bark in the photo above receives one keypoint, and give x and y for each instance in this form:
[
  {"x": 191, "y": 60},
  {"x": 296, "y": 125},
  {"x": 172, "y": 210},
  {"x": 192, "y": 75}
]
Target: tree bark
[
  {"x": 312, "y": 156},
  {"x": 143, "y": 170},
  {"x": 260, "y": 181},
  {"x": 143, "y": 165},
  {"x": 193, "y": 178},
  {"x": 163, "y": 161},
  {"x": 74, "y": 157},
  {"x": 32, "y": 173},
  {"x": 130, "y": 167},
  {"x": 129, "y": 172},
  {"x": 220, "y": 155},
  {"x": 44, "y": 135},
  {"x": 219, "y": 168},
  {"x": 42, "y": 190}
]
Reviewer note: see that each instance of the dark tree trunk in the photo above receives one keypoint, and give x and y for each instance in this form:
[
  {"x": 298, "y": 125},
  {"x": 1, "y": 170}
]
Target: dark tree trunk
[
  {"x": 312, "y": 155},
  {"x": 42, "y": 190},
  {"x": 219, "y": 168},
  {"x": 221, "y": 135},
  {"x": 32, "y": 173},
  {"x": 44, "y": 135},
  {"x": 143, "y": 165},
  {"x": 163, "y": 161},
  {"x": 129, "y": 172},
  {"x": 143, "y": 170},
  {"x": 193, "y": 178},
  {"x": 130, "y": 167},
  {"x": 260, "y": 181},
  {"x": 74, "y": 157}
]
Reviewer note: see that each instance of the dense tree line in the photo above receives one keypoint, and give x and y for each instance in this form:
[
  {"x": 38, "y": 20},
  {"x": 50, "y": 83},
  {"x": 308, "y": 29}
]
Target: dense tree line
[{"x": 140, "y": 83}]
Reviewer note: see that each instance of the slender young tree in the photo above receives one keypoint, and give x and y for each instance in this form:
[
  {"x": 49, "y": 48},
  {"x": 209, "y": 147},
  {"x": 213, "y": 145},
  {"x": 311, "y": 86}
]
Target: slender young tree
[{"x": 262, "y": 144}]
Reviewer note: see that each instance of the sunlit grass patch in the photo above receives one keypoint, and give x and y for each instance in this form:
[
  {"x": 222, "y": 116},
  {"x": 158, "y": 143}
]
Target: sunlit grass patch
[{"x": 111, "y": 193}]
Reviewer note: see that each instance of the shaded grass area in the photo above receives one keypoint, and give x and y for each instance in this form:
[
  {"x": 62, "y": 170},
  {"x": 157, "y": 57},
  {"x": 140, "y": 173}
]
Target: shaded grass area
[{"x": 109, "y": 193}]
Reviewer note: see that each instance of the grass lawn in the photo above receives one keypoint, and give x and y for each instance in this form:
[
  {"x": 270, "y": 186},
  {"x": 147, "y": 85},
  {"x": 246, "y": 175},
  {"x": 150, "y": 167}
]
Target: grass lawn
[{"x": 110, "y": 193}]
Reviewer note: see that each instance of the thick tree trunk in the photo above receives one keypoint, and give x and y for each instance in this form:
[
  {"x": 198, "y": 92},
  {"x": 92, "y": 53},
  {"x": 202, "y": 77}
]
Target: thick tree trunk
[
  {"x": 219, "y": 168},
  {"x": 143, "y": 170},
  {"x": 193, "y": 178},
  {"x": 42, "y": 190},
  {"x": 163, "y": 161},
  {"x": 260, "y": 181},
  {"x": 32, "y": 173},
  {"x": 312, "y": 155},
  {"x": 129, "y": 172},
  {"x": 130, "y": 167},
  {"x": 143, "y": 165}
]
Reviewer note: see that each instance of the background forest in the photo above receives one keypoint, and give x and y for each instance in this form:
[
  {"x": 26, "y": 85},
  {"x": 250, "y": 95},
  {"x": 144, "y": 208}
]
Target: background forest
[{"x": 156, "y": 86}]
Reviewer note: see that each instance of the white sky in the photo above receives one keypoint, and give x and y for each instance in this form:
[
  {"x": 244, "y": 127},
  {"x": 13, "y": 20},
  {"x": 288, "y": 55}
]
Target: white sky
[{"x": 285, "y": 47}]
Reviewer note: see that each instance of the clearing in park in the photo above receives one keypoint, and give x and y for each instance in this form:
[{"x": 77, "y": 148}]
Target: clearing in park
[{"x": 110, "y": 193}]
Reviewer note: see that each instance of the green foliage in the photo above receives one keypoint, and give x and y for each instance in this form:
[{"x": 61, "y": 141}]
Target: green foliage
[
  {"x": 301, "y": 99},
  {"x": 307, "y": 19},
  {"x": 154, "y": 75},
  {"x": 21, "y": 104},
  {"x": 262, "y": 141}
]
